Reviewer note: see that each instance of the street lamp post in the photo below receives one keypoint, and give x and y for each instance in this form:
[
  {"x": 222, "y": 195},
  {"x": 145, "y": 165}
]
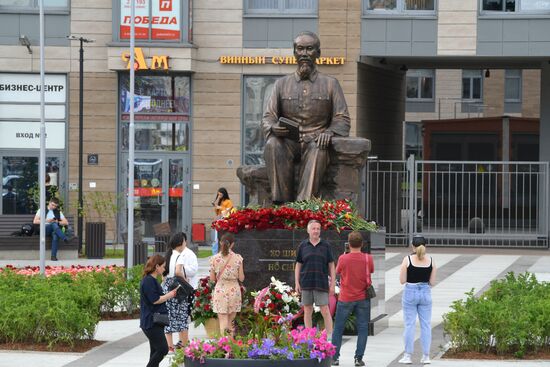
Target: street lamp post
[{"x": 80, "y": 132}]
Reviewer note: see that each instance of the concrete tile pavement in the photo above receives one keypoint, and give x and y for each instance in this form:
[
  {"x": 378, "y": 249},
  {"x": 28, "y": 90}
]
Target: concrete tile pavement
[{"x": 460, "y": 271}]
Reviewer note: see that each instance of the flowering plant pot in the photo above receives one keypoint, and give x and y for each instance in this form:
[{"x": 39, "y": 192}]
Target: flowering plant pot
[
  {"x": 308, "y": 346},
  {"x": 202, "y": 308},
  {"x": 222, "y": 362},
  {"x": 339, "y": 215},
  {"x": 276, "y": 299}
]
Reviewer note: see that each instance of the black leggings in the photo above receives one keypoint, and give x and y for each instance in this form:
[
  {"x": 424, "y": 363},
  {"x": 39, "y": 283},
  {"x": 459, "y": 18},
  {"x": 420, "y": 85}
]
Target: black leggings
[{"x": 158, "y": 345}]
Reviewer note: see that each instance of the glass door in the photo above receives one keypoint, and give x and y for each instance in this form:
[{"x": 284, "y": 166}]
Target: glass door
[
  {"x": 160, "y": 187},
  {"x": 20, "y": 189}
]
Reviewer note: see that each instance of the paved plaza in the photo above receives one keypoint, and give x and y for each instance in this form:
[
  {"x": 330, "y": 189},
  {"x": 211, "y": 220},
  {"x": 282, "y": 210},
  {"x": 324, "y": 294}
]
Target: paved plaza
[{"x": 459, "y": 271}]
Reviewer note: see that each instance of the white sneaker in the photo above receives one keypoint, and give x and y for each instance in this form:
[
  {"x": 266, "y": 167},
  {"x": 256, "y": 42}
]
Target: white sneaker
[
  {"x": 406, "y": 359},
  {"x": 425, "y": 360}
]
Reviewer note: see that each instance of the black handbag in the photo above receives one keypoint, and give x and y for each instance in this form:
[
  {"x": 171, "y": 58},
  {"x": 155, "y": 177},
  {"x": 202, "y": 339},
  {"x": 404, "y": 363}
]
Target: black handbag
[
  {"x": 370, "y": 292},
  {"x": 161, "y": 319},
  {"x": 185, "y": 290}
]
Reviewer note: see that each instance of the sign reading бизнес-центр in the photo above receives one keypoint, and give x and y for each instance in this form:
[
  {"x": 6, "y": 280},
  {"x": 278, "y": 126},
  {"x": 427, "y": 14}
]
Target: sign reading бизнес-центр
[
  {"x": 20, "y": 110},
  {"x": 25, "y": 88}
]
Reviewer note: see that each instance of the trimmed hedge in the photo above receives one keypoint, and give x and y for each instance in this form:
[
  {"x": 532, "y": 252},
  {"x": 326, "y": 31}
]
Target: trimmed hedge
[
  {"x": 62, "y": 308},
  {"x": 511, "y": 317}
]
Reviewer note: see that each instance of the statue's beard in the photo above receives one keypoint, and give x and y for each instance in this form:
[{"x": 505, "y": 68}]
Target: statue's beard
[{"x": 304, "y": 70}]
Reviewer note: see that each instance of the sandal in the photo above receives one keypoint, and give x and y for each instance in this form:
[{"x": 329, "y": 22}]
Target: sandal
[{"x": 178, "y": 345}]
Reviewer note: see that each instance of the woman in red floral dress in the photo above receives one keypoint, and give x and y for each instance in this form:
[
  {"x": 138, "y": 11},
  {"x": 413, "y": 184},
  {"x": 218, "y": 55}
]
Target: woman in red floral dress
[{"x": 226, "y": 269}]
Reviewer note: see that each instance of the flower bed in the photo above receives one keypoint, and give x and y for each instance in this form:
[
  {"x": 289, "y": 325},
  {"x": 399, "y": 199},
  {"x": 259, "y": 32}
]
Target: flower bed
[
  {"x": 65, "y": 306},
  {"x": 265, "y": 333},
  {"x": 338, "y": 215},
  {"x": 511, "y": 318}
]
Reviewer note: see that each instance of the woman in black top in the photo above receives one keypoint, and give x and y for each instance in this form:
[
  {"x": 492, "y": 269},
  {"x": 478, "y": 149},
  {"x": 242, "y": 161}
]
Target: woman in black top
[
  {"x": 418, "y": 275},
  {"x": 153, "y": 300}
]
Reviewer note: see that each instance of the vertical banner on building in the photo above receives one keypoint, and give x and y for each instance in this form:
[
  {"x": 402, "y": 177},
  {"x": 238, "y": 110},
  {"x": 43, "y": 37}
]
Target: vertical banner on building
[
  {"x": 141, "y": 18},
  {"x": 166, "y": 16}
]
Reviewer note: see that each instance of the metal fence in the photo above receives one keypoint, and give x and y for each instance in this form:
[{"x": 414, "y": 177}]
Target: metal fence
[{"x": 452, "y": 203}]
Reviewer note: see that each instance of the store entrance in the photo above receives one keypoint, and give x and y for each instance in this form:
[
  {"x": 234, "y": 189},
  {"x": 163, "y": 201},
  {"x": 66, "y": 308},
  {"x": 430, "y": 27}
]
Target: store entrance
[
  {"x": 160, "y": 191},
  {"x": 20, "y": 186}
]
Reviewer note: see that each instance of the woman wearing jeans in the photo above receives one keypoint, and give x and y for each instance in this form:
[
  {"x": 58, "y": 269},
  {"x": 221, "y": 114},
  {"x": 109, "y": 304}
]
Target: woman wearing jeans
[{"x": 418, "y": 275}]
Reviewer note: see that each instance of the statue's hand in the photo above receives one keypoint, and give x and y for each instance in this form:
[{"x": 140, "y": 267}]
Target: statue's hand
[
  {"x": 280, "y": 131},
  {"x": 323, "y": 140}
]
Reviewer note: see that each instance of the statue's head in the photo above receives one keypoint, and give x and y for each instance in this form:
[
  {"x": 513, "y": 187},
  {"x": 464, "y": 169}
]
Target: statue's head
[{"x": 307, "y": 49}]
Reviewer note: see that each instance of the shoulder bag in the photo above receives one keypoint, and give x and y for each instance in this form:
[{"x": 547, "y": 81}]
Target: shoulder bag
[
  {"x": 161, "y": 319},
  {"x": 370, "y": 291}
]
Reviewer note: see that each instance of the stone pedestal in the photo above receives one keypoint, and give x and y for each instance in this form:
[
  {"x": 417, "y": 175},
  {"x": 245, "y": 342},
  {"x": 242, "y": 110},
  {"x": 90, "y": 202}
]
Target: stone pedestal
[
  {"x": 348, "y": 156},
  {"x": 272, "y": 253}
]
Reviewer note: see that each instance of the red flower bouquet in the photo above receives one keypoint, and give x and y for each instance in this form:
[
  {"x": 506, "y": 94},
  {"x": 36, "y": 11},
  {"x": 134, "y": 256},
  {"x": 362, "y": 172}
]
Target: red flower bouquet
[{"x": 338, "y": 215}]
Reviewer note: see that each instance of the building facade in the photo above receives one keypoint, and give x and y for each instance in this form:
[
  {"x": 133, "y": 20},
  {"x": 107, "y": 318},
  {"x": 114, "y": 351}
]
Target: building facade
[{"x": 205, "y": 69}]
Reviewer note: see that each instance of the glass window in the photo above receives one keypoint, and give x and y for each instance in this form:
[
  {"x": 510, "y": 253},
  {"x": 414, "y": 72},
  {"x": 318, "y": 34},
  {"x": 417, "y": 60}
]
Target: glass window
[
  {"x": 419, "y": 4},
  {"x": 420, "y": 84},
  {"x": 280, "y": 7},
  {"x": 156, "y": 94},
  {"x": 512, "y": 86},
  {"x": 471, "y": 84},
  {"x": 34, "y": 4},
  {"x": 155, "y": 20},
  {"x": 396, "y": 6},
  {"x": 158, "y": 136},
  {"x": 529, "y": 6},
  {"x": 162, "y": 110},
  {"x": 413, "y": 139},
  {"x": 20, "y": 191},
  {"x": 534, "y": 5},
  {"x": 257, "y": 90}
]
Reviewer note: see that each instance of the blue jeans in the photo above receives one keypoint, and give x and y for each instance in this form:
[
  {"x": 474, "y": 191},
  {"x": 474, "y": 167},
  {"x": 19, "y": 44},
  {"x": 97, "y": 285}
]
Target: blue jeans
[
  {"x": 361, "y": 310},
  {"x": 53, "y": 229},
  {"x": 417, "y": 299}
]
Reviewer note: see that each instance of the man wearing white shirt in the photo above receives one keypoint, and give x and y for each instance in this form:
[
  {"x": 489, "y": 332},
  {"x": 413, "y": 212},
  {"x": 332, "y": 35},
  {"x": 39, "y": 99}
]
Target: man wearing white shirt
[{"x": 54, "y": 221}]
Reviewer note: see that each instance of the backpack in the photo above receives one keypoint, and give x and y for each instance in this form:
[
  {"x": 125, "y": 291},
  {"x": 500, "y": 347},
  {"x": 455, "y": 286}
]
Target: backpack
[{"x": 27, "y": 229}]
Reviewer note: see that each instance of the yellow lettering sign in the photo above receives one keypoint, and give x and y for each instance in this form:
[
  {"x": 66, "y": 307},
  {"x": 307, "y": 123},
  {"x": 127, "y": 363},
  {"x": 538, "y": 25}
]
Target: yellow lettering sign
[
  {"x": 157, "y": 62},
  {"x": 276, "y": 60}
]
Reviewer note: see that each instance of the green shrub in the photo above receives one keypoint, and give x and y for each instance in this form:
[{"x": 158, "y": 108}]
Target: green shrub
[
  {"x": 63, "y": 308},
  {"x": 511, "y": 317},
  {"x": 47, "y": 310}
]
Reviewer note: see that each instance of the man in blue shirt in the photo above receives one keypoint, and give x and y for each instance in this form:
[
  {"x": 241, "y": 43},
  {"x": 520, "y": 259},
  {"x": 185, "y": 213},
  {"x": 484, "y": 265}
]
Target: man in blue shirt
[
  {"x": 314, "y": 264},
  {"x": 54, "y": 221}
]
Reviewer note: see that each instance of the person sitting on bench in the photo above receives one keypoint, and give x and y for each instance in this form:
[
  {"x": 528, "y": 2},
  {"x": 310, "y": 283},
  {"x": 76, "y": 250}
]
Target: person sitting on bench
[{"x": 54, "y": 221}]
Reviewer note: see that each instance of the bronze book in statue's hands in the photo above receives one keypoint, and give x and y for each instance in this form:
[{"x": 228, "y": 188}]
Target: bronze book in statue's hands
[{"x": 293, "y": 128}]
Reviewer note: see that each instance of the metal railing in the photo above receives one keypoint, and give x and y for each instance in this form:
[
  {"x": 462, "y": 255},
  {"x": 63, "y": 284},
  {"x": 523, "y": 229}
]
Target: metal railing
[{"x": 453, "y": 203}]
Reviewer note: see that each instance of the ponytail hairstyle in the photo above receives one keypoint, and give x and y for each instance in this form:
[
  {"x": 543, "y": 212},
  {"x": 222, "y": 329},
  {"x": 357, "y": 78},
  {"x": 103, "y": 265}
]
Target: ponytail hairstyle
[
  {"x": 419, "y": 244},
  {"x": 225, "y": 243},
  {"x": 175, "y": 241},
  {"x": 152, "y": 263}
]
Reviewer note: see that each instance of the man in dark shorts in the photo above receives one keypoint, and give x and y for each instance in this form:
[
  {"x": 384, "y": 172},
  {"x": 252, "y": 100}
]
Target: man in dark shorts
[{"x": 314, "y": 264}]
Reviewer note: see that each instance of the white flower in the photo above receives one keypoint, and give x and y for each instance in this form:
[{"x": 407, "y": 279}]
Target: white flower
[
  {"x": 267, "y": 301},
  {"x": 286, "y": 298},
  {"x": 286, "y": 308},
  {"x": 316, "y": 308}
]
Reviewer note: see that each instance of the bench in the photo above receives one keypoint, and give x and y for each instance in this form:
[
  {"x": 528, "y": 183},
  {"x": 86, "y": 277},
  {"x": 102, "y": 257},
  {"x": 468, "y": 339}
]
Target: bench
[{"x": 28, "y": 247}]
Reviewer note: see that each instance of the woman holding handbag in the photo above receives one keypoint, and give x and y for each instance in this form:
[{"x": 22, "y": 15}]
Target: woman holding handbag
[
  {"x": 182, "y": 262},
  {"x": 226, "y": 269},
  {"x": 355, "y": 269},
  {"x": 152, "y": 309},
  {"x": 418, "y": 275}
]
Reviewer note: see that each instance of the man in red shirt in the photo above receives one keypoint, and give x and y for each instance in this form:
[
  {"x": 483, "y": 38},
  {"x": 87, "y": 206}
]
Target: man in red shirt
[{"x": 355, "y": 269}]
